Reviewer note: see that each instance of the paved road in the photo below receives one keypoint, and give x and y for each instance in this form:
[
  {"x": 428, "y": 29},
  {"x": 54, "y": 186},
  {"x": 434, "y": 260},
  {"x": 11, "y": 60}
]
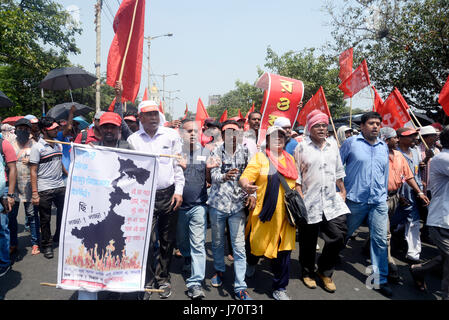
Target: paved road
[{"x": 23, "y": 281}]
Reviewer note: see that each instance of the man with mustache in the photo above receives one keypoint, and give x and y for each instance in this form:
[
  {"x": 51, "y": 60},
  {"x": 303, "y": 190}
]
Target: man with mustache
[
  {"x": 153, "y": 137},
  {"x": 366, "y": 183}
]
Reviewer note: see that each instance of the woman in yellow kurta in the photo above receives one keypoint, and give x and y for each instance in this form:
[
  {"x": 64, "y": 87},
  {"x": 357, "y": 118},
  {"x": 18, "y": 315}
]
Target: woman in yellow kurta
[{"x": 270, "y": 233}]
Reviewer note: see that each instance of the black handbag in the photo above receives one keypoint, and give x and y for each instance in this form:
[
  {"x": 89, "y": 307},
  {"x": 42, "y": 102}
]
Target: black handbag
[
  {"x": 295, "y": 208},
  {"x": 294, "y": 204}
]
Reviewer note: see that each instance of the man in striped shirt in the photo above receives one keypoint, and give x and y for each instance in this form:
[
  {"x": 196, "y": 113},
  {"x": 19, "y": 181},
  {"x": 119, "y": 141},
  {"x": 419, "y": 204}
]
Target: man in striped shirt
[{"x": 47, "y": 184}]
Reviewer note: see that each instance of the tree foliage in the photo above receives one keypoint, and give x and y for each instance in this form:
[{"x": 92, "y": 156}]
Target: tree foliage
[
  {"x": 313, "y": 72},
  {"x": 405, "y": 42},
  {"x": 242, "y": 97},
  {"x": 35, "y": 37}
]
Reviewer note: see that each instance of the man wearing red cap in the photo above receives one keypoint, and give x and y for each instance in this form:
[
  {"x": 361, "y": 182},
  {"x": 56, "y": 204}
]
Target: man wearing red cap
[{"x": 110, "y": 123}]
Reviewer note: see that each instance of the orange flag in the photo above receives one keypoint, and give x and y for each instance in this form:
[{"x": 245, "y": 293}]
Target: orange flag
[
  {"x": 201, "y": 113},
  {"x": 145, "y": 95},
  {"x": 186, "y": 112},
  {"x": 126, "y": 51},
  {"x": 224, "y": 116},
  {"x": 443, "y": 99},
  {"x": 378, "y": 102},
  {"x": 112, "y": 105},
  {"x": 317, "y": 102}
]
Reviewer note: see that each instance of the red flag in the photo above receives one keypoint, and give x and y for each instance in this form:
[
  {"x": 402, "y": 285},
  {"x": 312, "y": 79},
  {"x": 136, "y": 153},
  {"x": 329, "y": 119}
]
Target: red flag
[
  {"x": 317, "y": 102},
  {"x": 186, "y": 112},
  {"x": 358, "y": 80},
  {"x": 224, "y": 116},
  {"x": 443, "y": 99},
  {"x": 378, "y": 102},
  {"x": 112, "y": 105},
  {"x": 281, "y": 99},
  {"x": 345, "y": 60},
  {"x": 145, "y": 95},
  {"x": 240, "y": 115},
  {"x": 394, "y": 111},
  {"x": 125, "y": 53},
  {"x": 201, "y": 113}
]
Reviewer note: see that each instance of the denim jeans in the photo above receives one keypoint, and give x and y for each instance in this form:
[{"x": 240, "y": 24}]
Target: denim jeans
[
  {"x": 32, "y": 214},
  {"x": 409, "y": 216},
  {"x": 190, "y": 237},
  {"x": 377, "y": 223},
  {"x": 237, "y": 229},
  {"x": 47, "y": 197},
  {"x": 4, "y": 241}
]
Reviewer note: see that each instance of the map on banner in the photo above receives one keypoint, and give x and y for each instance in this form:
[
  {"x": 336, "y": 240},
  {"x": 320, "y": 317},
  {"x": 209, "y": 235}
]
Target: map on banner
[{"x": 107, "y": 220}]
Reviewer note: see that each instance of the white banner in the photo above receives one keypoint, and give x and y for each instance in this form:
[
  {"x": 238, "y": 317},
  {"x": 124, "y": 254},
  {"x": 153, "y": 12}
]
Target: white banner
[{"x": 106, "y": 223}]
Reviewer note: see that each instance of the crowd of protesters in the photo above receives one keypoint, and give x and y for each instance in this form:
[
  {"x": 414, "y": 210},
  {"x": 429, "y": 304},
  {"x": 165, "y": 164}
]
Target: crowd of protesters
[{"x": 233, "y": 180}]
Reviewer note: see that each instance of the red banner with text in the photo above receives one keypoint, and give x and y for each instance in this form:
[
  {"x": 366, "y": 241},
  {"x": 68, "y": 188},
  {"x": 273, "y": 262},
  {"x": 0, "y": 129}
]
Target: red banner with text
[{"x": 281, "y": 98}]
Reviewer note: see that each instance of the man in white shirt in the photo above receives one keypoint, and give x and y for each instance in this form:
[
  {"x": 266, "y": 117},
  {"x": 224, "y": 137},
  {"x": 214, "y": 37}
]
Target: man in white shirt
[
  {"x": 438, "y": 218},
  {"x": 153, "y": 137},
  {"x": 320, "y": 170}
]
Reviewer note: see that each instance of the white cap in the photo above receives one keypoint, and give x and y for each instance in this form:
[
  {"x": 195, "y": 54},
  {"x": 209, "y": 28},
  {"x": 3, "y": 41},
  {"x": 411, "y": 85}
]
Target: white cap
[
  {"x": 147, "y": 106},
  {"x": 282, "y": 122},
  {"x": 427, "y": 130},
  {"x": 275, "y": 128}
]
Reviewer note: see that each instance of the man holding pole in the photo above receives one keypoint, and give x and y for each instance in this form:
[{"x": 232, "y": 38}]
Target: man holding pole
[{"x": 153, "y": 137}]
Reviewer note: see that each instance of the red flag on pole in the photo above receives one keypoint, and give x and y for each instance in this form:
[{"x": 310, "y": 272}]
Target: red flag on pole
[
  {"x": 346, "y": 60},
  {"x": 201, "y": 113},
  {"x": 240, "y": 115},
  {"x": 125, "y": 53},
  {"x": 394, "y": 111},
  {"x": 443, "y": 98},
  {"x": 358, "y": 80},
  {"x": 224, "y": 116},
  {"x": 145, "y": 95},
  {"x": 317, "y": 102},
  {"x": 281, "y": 99},
  {"x": 378, "y": 102}
]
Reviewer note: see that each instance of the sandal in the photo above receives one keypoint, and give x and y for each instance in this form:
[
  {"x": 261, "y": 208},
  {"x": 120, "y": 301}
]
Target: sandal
[
  {"x": 418, "y": 279},
  {"x": 35, "y": 250}
]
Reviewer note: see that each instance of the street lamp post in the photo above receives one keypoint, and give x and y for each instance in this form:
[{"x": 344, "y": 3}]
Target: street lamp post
[
  {"x": 149, "y": 45},
  {"x": 163, "y": 85},
  {"x": 170, "y": 100}
]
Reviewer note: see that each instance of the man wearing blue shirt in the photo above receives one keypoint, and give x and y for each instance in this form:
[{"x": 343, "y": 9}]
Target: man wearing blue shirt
[{"x": 366, "y": 183}]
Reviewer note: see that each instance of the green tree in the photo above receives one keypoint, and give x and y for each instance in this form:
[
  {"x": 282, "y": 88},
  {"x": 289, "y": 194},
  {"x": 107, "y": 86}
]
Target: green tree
[
  {"x": 313, "y": 71},
  {"x": 35, "y": 37},
  {"x": 405, "y": 42},
  {"x": 242, "y": 97}
]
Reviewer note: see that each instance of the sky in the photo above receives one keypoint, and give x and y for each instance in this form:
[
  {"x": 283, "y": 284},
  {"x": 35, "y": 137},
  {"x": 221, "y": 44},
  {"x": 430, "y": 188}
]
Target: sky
[{"x": 214, "y": 42}]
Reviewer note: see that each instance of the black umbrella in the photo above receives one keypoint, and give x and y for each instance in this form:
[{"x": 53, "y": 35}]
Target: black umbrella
[
  {"x": 4, "y": 101},
  {"x": 68, "y": 78},
  {"x": 61, "y": 111}
]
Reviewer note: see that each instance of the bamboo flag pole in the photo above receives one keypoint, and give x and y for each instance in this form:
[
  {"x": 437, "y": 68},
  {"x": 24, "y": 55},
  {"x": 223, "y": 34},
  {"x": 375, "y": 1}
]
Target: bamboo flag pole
[
  {"x": 46, "y": 284},
  {"x": 350, "y": 112},
  {"x": 420, "y": 136},
  {"x": 178, "y": 157},
  {"x": 335, "y": 131},
  {"x": 129, "y": 41}
]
